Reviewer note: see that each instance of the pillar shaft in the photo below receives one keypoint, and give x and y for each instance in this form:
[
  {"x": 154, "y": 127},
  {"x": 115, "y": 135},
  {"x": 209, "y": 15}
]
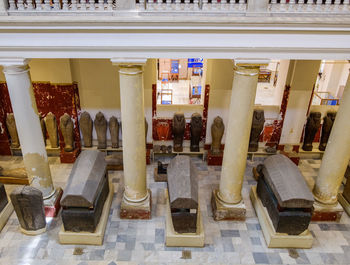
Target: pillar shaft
[
  {"x": 237, "y": 134},
  {"x": 337, "y": 154},
  {"x": 133, "y": 131},
  {"x": 28, "y": 126}
]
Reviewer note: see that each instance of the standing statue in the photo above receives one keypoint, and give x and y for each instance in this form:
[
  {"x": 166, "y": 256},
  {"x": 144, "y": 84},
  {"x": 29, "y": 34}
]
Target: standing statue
[
  {"x": 85, "y": 124},
  {"x": 51, "y": 127},
  {"x": 43, "y": 129},
  {"x": 12, "y": 129},
  {"x": 196, "y": 131},
  {"x": 312, "y": 125},
  {"x": 101, "y": 130},
  {"x": 328, "y": 121},
  {"x": 179, "y": 125},
  {"x": 146, "y": 130},
  {"x": 217, "y": 131},
  {"x": 66, "y": 126},
  {"x": 257, "y": 127},
  {"x": 114, "y": 131}
]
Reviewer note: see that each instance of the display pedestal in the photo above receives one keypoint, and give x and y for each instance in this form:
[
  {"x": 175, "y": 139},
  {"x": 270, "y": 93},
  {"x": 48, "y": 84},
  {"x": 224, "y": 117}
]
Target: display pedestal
[
  {"x": 159, "y": 177},
  {"x": 88, "y": 238},
  {"x": 174, "y": 239},
  {"x": 214, "y": 160},
  {"x": 344, "y": 203},
  {"x": 137, "y": 210},
  {"x": 223, "y": 211},
  {"x": 33, "y": 233},
  {"x": 69, "y": 157},
  {"x": 52, "y": 205},
  {"x": 5, "y": 214},
  {"x": 273, "y": 239},
  {"x": 329, "y": 213}
]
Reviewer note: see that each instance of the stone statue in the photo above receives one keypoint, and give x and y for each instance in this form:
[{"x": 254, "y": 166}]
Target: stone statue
[
  {"x": 51, "y": 127},
  {"x": 196, "y": 131},
  {"x": 328, "y": 121},
  {"x": 85, "y": 124},
  {"x": 217, "y": 131},
  {"x": 12, "y": 129},
  {"x": 43, "y": 129},
  {"x": 114, "y": 131},
  {"x": 146, "y": 130},
  {"x": 257, "y": 127},
  {"x": 29, "y": 208},
  {"x": 311, "y": 128},
  {"x": 101, "y": 130},
  {"x": 179, "y": 125},
  {"x": 66, "y": 126}
]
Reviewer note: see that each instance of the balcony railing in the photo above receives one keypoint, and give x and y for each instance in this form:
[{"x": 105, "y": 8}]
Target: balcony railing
[{"x": 242, "y": 7}]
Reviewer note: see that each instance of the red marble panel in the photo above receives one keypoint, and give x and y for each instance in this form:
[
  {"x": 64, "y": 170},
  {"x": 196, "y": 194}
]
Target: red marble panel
[{"x": 5, "y": 108}]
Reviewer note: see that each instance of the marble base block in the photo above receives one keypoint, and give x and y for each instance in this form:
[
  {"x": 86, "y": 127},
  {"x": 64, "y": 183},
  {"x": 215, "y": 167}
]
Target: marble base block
[
  {"x": 88, "y": 238},
  {"x": 5, "y": 214},
  {"x": 174, "y": 239},
  {"x": 139, "y": 210},
  {"x": 222, "y": 211},
  {"x": 272, "y": 238},
  {"x": 329, "y": 213}
]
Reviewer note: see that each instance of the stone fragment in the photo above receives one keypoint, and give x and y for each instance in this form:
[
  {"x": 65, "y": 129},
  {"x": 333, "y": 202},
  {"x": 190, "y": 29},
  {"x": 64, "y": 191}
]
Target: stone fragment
[
  {"x": 67, "y": 127},
  {"x": 312, "y": 125},
  {"x": 217, "y": 131},
  {"x": 51, "y": 127},
  {"x": 179, "y": 125},
  {"x": 257, "y": 128},
  {"x": 183, "y": 194},
  {"x": 196, "y": 131},
  {"x": 43, "y": 129},
  {"x": 12, "y": 129},
  {"x": 85, "y": 124},
  {"x": 3, "y": 197},
  {"x": 86, "y": 192},
  {"x": 29, "y": 207},
  {"x": 290, "y": 209},
  {"x": 101, "y": 130},
  {"x": 327, "y": 125},
  {"x": 114, "y": 131}
]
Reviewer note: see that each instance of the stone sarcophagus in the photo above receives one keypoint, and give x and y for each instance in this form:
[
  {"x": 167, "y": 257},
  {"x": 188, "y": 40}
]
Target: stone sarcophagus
[
  {"x": 183, "y": 194},
  {"x": 86, "y": 192},
  {"x": 285, "y": 194}
]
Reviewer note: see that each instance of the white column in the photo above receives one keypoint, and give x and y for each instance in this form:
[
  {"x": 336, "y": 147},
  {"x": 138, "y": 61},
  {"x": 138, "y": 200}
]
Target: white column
[
  {"x": 258, "y": 6},
  {"x": 237, "y": 134},
  {"x": 3, "y": 7},
  {"x": 133, "y": 129},
  {"x": 28, "y": 124},
  {"x": 337, "y": 154}
]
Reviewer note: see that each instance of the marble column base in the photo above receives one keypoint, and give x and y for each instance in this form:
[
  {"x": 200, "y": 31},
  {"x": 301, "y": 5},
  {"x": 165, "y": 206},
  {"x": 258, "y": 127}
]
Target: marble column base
[
  {"x": 272, "y": 238},
  {"x": 52, "y": 205},
  {"x": 138, "y": 210},
  {"x": 33, "y": 232},
  {"x": 324, "y": 212},
  {"x": 223, "y": 211}
]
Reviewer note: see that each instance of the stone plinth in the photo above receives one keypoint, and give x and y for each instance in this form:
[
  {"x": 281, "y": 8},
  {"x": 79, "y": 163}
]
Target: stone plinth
[
  {"x": 136, "y": 210},
  {"x": 328, "y": 213},
  {"x": 223, "y": 211}
]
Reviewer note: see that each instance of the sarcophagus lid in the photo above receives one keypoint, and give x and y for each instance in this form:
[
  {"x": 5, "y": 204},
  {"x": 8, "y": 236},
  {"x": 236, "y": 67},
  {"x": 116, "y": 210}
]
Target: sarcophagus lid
[
  {"x": 86, "y": 180},
  {"x": 182, "y": 183},
  {"x": 286, "y": 182}
]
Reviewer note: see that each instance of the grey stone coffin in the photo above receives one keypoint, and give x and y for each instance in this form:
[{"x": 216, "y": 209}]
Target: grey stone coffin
[
  {"x": 87, "y": 189},
  {"x": 3, "y": 197},
  {"x": 183, "y": 194},
  {"x": 284, "y": 192}
]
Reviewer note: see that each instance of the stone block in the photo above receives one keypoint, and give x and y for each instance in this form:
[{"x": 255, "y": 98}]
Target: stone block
[{"x": 227, "y": 212}]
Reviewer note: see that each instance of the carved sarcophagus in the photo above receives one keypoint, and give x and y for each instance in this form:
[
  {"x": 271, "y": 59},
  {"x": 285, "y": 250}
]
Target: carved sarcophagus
[
  {"x": 285, "y": 194},
  {"x": 86, "y": 192},
  {"x": 183, "y": 194}
]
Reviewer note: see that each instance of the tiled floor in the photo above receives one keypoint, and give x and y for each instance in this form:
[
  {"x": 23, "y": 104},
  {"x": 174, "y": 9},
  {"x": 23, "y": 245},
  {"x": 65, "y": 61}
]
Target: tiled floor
[{"x": 140, "y": 242}]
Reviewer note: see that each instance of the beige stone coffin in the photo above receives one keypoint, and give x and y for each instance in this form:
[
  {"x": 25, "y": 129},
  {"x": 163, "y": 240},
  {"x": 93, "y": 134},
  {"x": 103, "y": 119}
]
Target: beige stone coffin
[
  {"x": 273, "y": 239},
  {"x": 174, "y": 239},
  {"x": 87, "y": 238}
]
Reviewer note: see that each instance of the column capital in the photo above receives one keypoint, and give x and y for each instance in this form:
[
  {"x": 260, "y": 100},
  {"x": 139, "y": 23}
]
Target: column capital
[
  {"x": 14, "y": 65},
  {"x": 251, "y": 63},
  {"x": 129, "y": 62}
]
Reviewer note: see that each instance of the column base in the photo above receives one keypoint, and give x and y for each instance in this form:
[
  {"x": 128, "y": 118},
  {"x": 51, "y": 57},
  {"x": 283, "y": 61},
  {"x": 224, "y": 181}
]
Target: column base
[
  {"x": 52, "y": 205},
  {"x": 222, "y": 211},
  {"x": 324, "y": 212},
  {"x": 139, "y": 210},
  {"x": 272, "y": 238},
  {"x": 33, "y": 232},
  {"x": 214, "y": 159}
]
